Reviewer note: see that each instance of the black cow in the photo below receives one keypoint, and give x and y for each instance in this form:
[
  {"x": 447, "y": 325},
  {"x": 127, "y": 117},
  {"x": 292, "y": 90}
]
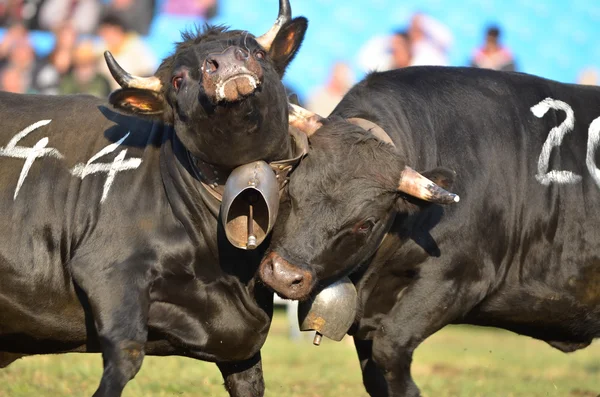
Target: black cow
[
  {"x": 520, "y": 251},
  {"x": 110, "y": 234}
]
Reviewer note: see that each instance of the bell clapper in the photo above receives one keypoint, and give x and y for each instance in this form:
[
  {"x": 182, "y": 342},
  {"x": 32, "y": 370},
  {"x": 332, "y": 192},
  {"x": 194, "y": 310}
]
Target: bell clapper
[
  {"x": 251, "y": 237},
  {"x": 317, "y": 339}
]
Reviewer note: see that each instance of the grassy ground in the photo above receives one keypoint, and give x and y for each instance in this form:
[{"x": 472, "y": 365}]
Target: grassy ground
[{"x": 458, "y": 361}]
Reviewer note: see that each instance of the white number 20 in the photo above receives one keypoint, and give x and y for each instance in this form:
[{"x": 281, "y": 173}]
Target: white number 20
[{"x": 555, "y": 138}]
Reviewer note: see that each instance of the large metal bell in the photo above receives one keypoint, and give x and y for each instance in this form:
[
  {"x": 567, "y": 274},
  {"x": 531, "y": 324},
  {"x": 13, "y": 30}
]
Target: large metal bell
[
  {"x": 331, "y": 312},
  {"x": 250, "y": 204}
]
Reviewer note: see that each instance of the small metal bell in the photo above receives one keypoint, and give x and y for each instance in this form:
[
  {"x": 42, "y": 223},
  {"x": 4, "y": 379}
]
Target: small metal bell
[{"x": 331, "y": 312}]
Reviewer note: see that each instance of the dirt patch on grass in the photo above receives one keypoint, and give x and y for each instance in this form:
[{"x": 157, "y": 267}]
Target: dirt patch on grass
[
  {"x": 583, "y": 393},
  {"x": 438, "y": 369}
]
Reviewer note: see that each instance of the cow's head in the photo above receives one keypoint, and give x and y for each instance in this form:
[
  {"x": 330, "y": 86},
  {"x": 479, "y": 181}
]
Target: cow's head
[
  {"x": 221, "y": 90},
  {"x": 341, "y": 201}
]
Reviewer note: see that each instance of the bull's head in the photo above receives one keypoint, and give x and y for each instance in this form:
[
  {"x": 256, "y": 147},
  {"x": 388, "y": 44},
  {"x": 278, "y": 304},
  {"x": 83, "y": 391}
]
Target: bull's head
[
  {"x": 342, "y": 199},
  {"x": 221, "y": 90}
]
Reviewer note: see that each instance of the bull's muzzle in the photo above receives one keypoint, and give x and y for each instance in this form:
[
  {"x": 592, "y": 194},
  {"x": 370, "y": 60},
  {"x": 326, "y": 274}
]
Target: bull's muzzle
[
  {"x": 287, "y": 280},
  {"x": 231, "y": 75},
  {"x": 250, "y": 204}
]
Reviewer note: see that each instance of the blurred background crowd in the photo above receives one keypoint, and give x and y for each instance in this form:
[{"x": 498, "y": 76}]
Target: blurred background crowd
[{"x": 55, "y": 46}]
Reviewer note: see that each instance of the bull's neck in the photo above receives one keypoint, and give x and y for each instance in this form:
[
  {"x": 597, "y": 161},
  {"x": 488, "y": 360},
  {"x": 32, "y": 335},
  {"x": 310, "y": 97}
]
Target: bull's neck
[
  {"x": 194, "y": 187},
  {"x": 213, "y": 177},
  {"x": 191, "y": 203},
  {"x": 198, "y": 212},
  {"x": 228, "y": 145}
]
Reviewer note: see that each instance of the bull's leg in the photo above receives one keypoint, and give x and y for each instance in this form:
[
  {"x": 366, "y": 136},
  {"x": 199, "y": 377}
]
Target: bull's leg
[
  {"x": 373, "y": 377},
  {"x": 119, "y": 298},
  {"x": 244, "y": 378},
  {"x": 426, "y": 306}
]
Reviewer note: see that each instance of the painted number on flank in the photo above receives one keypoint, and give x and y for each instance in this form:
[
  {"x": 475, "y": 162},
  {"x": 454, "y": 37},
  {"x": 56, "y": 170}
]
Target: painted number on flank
[
  {"x": 39, "y": 150},
  {"x": 554, "y": 139},
  {"x": 592, "y": 144},
  {"x": 30, "y": 154},
  {"x": 118, "y": 164}
]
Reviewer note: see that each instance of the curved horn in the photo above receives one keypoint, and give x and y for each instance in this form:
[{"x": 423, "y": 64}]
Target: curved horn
[
  {"x": 127, "y": 80},
  {"x": 305, "y": 120},
  {"x": 416, "y": 185},
  {"x": 373, "y": 128},
  {"x": 285, "y": 15}
]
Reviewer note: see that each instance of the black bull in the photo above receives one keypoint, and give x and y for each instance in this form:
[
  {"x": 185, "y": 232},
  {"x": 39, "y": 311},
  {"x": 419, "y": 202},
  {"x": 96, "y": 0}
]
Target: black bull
[
  {"x": 124, "y": 243},
  {"x": 520, "y": 251},
  {"x": 110, "y": 234}
]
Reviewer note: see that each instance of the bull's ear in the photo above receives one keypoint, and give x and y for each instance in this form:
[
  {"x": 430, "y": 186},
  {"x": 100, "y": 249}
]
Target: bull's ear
[
  {"x": 138, "y": 101},
  {"x": 443, "y": 177},
  {"x": 287, "y": 43}
]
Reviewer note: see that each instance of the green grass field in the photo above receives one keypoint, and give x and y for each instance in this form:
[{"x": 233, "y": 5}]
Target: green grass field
[{"x": 458, "y": 361}]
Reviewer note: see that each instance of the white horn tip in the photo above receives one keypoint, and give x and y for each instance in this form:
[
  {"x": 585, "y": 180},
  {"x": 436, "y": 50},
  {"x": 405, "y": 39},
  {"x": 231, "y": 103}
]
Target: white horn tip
[{"x": 456, "y": 198}]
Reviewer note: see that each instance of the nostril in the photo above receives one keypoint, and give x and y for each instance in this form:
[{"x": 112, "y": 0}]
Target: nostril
[
  {"x": 267, "y": 267},
  {"x": 241, "y": 54},
  {"x": 297, "y": 280},
  {"x": 211, "y": 65}
]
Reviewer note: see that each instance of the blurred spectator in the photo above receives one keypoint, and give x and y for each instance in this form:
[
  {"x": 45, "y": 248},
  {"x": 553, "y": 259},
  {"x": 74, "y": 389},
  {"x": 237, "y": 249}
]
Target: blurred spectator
[
  {"x": 12, "y": 80},
  {"x": 22, "y": 58},
  {"x": 127, "y": 47},
  {"x": 324, "y": 100},
  {"x": 10, "y": 12},
  {"x": 205, "y": 9},
  {"x": 430, "y": 41},
  {"x": 83, "y": 14},
  {"x": 14, "y": 35},
  {"x": 492, "y": 55},
  {"x": 135, "y": 15},
  {"x": 85, "y": 77},
  {"x": 400, "y": 50},
  {"x": 588, "y": 76},
  {"x": 57, "y": 64},
  {"x": 375, "y": 54}
]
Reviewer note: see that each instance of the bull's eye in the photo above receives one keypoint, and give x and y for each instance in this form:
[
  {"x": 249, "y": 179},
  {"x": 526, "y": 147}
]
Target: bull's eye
[
  {"x": 177, "y": 80},
  {"x": 260, "y": 54},
  {"x": 364, "y": 227}
]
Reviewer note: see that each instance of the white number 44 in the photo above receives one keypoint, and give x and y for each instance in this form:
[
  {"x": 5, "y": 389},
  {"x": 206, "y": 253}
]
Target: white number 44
[{"x": 39, "y": 150}]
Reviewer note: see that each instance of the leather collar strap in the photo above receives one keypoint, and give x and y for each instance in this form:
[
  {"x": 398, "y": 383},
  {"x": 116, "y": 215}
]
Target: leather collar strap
[{"x": 213, "y": 178}]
